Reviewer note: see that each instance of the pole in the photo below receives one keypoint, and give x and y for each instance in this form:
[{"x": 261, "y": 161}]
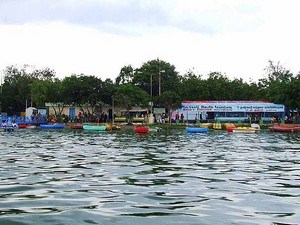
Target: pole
[
  {"x": 151, "y": 87},
  {"x": 159, "y": 83},
  {"x": 159, "y": 78},
  {"x": 1, "y": 92},
  {"x": 113, "y": 110}
]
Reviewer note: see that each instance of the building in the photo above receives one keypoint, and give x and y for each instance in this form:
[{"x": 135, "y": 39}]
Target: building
[{"x": 230, "y": 111}]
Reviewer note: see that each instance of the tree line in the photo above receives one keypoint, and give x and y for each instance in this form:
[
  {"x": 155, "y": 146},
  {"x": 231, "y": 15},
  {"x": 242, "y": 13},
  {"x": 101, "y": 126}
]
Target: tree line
[{"x": 155, "y": 83}]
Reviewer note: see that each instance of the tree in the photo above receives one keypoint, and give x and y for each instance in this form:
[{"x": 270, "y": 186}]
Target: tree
[
  {"x": 129, "y": 95},
  {"x": 83, "y": 91},
  {"x": 218, "y": 86},
  {"x": 126, "y": 75},
  {"x": 156, "y": 75},
  {"x": 193, "y": 87},
  {"x": 16, "y": 91},
  {"x": 170, "y": 100},
  {"x": 277, "y": 83}
]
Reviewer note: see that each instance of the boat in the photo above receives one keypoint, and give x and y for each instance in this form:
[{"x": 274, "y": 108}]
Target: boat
[
  {"x": 196, "y": 129},
  {"x": 248, "y": 130},
  {"x": 53, "y": 126},
  {"x": 204, "y": 125},
  {"x": 8, "y": 125},
  {"x": 217, "y": 126},
  {"x": 285, "y": 128},
  {"x": 30, "y": 126},
  {"x": 76, "y": 126},
  {"x": 21, "y": 125},
  {"x": 94, "y": 127},
  {"x": 154, "y": 129},
  {"x": 141, "y": 129}
]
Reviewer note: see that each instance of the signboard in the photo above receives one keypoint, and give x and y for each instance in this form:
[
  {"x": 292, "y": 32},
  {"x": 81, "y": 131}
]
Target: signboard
[
  {"x": 159, "y": 110},
  {"x": 232, "y": 106}
]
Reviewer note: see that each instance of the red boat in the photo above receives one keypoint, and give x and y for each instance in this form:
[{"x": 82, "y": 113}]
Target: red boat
[
  {"x": 141, "y": 129},
  {"x": 22, "y": 125},
  {"x": 287, "y": 128},
  {"x": 77, "y": 126}
]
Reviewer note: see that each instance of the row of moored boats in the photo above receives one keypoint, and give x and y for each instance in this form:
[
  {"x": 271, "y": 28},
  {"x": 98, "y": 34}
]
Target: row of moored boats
[
  {"x": 254, "y": 128},
  {"x": 203, "y": 128}
]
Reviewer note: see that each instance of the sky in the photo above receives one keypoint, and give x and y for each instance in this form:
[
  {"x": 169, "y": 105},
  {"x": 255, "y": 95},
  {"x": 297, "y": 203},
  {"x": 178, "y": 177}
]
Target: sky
[{"x": 99, "y": 37}]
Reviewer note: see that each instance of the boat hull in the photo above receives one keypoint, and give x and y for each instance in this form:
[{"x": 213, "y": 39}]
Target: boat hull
[
  {"x": 76, "y": 126},
  {"x": 94, "y": 128},
  {"x": 21, "y": 125},
  {"x": 141, "y": 129},
  {"x": 286, "y": 128},
  {"x": 196, "y": 129},
  {"x": 247, "y": 130},
  {"x": 53, "y": 126}
]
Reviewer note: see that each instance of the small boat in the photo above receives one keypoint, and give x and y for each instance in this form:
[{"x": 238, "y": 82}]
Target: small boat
[
  {"x": 286, "y": 128},
  {"x": 53, "y": 126},
  {"x": 196, "y": 129},
  {"x": 217, "y": 126},
  {"x": 204, "y": 125},
  {"x": 94, "y": 127},
  {"x": 21, "y": 125},
  {"x": 30, "y": 126},
  {"x": 154, "y": 129},
  {"x": 248, "y": 130},
  {"x": 141, "y": 129},
  {"x": 76, "y": 126},
  {"x": 115, "y": 127}
]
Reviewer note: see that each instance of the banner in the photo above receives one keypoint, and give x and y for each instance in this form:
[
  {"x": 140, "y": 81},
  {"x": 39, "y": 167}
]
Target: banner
[{"x": 234, "y": 106}]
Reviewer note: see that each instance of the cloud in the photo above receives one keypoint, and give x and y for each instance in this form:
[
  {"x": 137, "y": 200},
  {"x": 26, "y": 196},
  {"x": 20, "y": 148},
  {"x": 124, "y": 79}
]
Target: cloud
[
  {"x": 131, "y": 16},
  {"x": 99, "y": 37}
]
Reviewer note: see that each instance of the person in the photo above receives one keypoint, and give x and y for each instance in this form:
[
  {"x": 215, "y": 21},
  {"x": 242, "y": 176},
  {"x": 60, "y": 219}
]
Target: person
[
  {"x": 286, "y": 118},
  {"x": 181, "y": 118},
  {"x": 79, "y": 117},
  {"x": 177, "y": 118},
  {"x": 163, "y": 118},
  {"x": 196, "y": 117},
  {"x": 159, "y": 118}
]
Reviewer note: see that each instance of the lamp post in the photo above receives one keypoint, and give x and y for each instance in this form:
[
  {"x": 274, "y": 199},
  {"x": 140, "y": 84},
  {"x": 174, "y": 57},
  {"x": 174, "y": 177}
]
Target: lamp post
[
  {"x": 1, "y": 90},
  {"x": 113, "y": 110},
  {"x": 151, "y": 94},
  {"x": 159, "y": 81}
]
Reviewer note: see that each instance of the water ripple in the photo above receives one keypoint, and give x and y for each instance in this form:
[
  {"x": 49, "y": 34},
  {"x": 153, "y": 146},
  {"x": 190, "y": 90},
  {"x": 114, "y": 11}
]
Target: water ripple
[{"x": 73, "y": 177}]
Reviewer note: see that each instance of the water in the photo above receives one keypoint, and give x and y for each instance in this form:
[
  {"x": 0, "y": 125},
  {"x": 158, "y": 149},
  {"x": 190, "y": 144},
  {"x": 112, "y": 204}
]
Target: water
[{"x": 74, "y": 177}]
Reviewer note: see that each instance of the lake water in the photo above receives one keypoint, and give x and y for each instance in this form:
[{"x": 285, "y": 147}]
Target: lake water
[{"x": 75, "y": 177}]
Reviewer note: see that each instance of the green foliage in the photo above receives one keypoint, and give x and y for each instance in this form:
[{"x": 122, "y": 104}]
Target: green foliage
[
  {"x": 138, "y": 87},
  {"x": 129, "y": 95},
  {"x": 125, "y": 76},
  {"x": 193, "y": 87},
  {"x": 154, "y": 75},
  {"x": 280, "y": 86},
  {"x": 170, "y": 100}
]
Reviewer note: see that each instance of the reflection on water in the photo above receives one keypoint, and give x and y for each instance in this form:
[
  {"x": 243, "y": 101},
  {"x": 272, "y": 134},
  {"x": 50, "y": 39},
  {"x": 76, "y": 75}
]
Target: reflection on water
[{"x": 74, "y": 177}]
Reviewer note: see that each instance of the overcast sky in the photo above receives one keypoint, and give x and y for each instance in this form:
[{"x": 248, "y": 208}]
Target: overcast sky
[{"x": 99, "y": 37}]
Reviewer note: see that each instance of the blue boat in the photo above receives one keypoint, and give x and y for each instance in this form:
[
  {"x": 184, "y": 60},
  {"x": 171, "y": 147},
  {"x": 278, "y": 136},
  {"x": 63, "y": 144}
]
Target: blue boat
[
  {"x": 196, "y": 129},
  {"x": 53, "y": 126}
]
